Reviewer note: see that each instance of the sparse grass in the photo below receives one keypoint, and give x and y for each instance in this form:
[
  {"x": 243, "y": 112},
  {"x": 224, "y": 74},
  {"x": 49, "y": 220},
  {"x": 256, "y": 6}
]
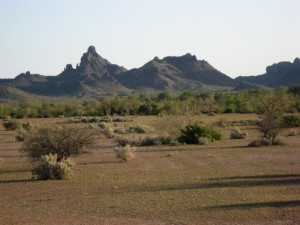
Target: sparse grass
[{"x": 220, "y": 183}]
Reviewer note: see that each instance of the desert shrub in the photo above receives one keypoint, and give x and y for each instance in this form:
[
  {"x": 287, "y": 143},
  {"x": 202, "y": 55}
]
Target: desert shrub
[
  {"x": 124, "y": 141},
  {"x": 163, "y": 140},
  {"x": 102, "y": 125},
  {"x": 292, "y": 133},
  {"x": 108, "y": 132},
  {"x": 27, "y": 126},
  {"x": 10, "y": 125},
  {"x": 63, "y": 141},
  {"x": 49, "y": 168},
  {"x": 211, "y": 114},
  {"x": 291, "y": 120},
  {"x": 222, "y": 123},
  {"x": 137, "y": 129},
  {"x": 278, "y": 142},
  {"x": 259, "y": 143},
  {"x": 203, "y": 141},
  {"x": 1, "y": 161},
  {"x": 236, "y": 133},
  {"x": 192, "y": 133},
  {"x": 125, "y": 153},
  {"x": 120, "y": 130},
  {"x": 20, "y": 136}
]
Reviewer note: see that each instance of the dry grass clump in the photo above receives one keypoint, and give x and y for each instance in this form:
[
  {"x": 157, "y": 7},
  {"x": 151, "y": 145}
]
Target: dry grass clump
[
  {"x": 236, "y": 133},
  {"x": 203, "y": 141},
  {"x": 125, "y": 153},
  {"x": 292, "y": 133},
  {"x": 49, "y": 168}
]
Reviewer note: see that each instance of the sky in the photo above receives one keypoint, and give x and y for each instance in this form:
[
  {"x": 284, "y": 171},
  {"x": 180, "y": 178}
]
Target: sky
[{"x": 237, "y": 37}]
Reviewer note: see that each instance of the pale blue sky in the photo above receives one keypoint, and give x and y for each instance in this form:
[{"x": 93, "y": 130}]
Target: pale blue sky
[{"x": 238, "y": 37}]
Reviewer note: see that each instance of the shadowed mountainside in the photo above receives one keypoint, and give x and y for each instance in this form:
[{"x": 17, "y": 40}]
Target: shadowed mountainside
[
  {"x": 278, "y": 74},
  {"x": 95, "y": 76}
]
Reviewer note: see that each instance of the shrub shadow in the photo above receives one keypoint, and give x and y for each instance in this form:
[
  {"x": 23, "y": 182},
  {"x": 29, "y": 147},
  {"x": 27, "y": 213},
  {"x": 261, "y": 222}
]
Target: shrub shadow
[
  {"x": 275, "y": 176},
  {"x": 276, "y": 204},
  {"x": 14, "y": 171},
  {"x": 223, "y": 184},
  {"x": 16, "y": 181}
]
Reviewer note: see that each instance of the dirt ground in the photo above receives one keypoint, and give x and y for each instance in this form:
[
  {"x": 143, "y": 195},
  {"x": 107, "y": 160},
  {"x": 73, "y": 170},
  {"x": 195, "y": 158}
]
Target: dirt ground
[{"x": 224, "y": 182}]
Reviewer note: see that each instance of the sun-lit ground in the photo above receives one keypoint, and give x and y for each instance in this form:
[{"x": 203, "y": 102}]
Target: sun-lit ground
[{"x": 220, "y": 183}]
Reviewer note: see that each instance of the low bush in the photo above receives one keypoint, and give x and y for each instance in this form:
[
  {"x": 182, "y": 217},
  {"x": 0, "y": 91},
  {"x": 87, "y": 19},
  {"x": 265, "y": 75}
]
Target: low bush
[
  {"x": 164, "y": 140},
  {"x": 27, "y": 126},
  {"x": 11, "y": 125},
  {"x": 222, "y": 123},
  {"x": 236, "y": 133},
  {"x": 124, "y": 141},
  {"x": 51, "y": 169},
  {"x": 291, "y": 121},
  {"x": 292, "y": 133},
  {"x": 203, "y": 141},
  {"x": 192, "y": 133},
  {"x": 278, "y": 142},
  {"x": 259, "y": 143},
  {"x": 20, "y": 136},
  {"x": 137, "y": 129},
  {"x": 125, "y": 153}
]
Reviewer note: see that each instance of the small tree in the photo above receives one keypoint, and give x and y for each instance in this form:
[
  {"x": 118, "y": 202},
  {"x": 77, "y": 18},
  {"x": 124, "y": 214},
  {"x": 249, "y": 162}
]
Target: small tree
[
  {"x": 62, "y": 141},
  {"x": 272, "y": 109}
]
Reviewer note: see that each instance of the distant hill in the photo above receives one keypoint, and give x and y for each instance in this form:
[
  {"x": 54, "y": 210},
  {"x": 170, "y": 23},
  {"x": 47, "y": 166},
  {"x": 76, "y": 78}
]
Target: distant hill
[
  {"x": 96, "y": 76},
  {"x": 177, "y": 73},
  {"x": 278, "y": 74}
]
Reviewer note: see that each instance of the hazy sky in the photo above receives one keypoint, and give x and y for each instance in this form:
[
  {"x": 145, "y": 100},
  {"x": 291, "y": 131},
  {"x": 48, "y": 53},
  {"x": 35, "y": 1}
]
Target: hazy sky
[{"x": 237, "y": 37}]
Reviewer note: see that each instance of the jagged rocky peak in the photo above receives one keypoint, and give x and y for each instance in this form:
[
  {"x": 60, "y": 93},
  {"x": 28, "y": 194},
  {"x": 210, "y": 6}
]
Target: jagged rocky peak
[
  {"x": 68, "y": 67},
  {"x": 297, "y": 61},
  {"x": 189, "y": 57},
  {"x": 91, "y": 53}
]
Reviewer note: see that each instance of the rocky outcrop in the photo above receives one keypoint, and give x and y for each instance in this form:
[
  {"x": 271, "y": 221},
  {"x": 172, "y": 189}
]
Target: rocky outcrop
[{"x": 278, "y": 74}]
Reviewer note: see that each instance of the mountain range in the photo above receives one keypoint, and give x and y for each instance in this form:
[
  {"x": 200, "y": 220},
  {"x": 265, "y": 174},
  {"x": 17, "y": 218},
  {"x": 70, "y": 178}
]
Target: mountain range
[{"x": 95, "y": 76}]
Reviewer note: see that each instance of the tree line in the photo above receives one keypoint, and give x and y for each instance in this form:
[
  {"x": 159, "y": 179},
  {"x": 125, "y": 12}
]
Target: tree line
[{"x": 246, "y": 101}]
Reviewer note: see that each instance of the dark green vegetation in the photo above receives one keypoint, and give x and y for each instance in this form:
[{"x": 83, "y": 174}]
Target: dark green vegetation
[
  {"x": 224, "y": 182},
  {"x": 248, "y": 101},
  {"x": 191, "y": 134},
  {"x": 96, "y": 77}
]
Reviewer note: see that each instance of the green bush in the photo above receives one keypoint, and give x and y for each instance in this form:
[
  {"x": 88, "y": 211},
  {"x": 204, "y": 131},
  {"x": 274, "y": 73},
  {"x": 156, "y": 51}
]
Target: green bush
[
  {"x": 10, "y": 125},
  {"x": 51, "y": 169},
  {"x": 192, "y": 133},
  {"x": 163, "y": 140},
  {"x": 125, "y": 153},
  {"x": 291, "y": 121}
]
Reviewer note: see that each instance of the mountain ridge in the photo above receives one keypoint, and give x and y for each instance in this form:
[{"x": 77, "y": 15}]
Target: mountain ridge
[{"x": 95, "y": 76}]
